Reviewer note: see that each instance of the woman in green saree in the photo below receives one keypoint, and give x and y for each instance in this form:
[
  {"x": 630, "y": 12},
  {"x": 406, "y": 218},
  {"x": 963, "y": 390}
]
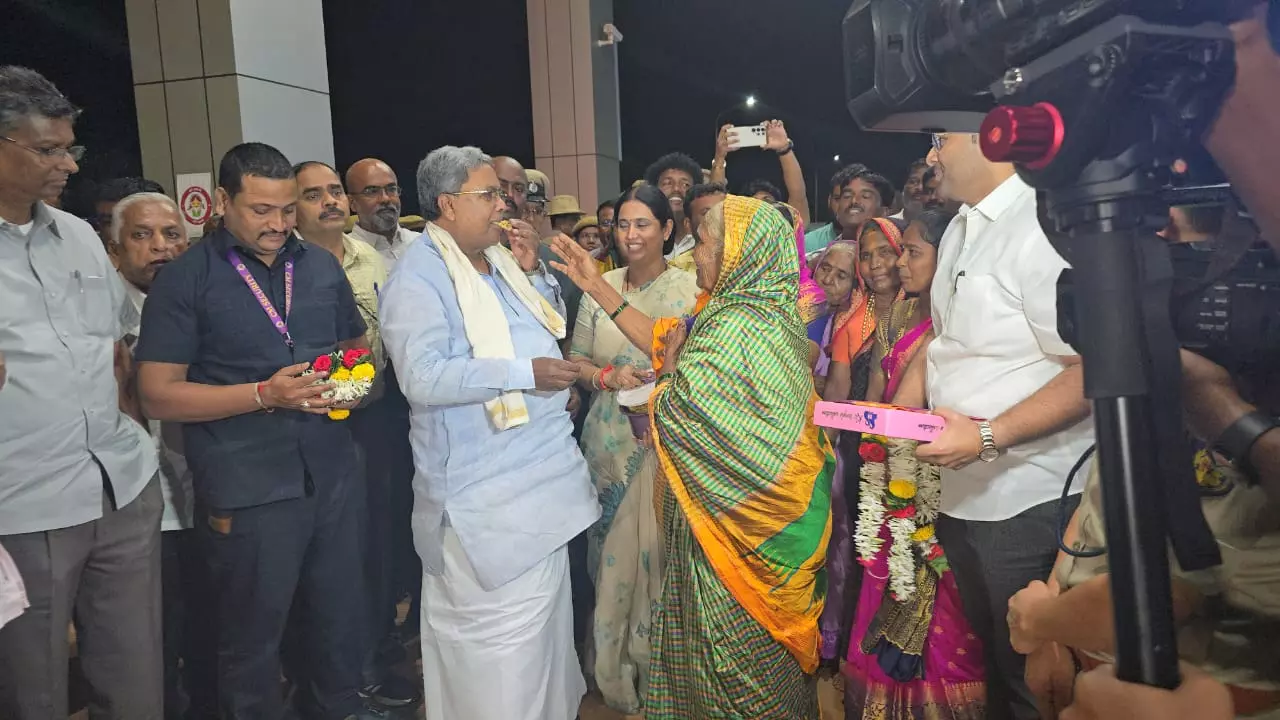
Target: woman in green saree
[{"x": 744, "y": 481}]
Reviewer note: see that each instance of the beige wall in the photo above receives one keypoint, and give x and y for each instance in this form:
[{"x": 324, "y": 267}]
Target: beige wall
[
  {"x": 575, "y": 98},
  {"x": 209, "y": 74}
]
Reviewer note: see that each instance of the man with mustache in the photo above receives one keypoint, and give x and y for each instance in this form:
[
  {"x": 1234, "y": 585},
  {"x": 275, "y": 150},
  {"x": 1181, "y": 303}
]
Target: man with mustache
[
  {"x": 322, "y": 214},
  {"x": 147, "y": 233},
  {"x": 228, "y": 330},
  {"x": 80, "y": 514},
  {"x": 375, "y": 198}
]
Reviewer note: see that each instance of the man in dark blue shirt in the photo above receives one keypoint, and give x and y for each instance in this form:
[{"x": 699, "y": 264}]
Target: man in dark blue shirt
[{"x": 227, "y": 332}]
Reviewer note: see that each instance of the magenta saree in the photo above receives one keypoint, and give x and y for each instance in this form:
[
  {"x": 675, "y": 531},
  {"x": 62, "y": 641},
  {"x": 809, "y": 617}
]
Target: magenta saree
[{"x": 917, "y": 660}]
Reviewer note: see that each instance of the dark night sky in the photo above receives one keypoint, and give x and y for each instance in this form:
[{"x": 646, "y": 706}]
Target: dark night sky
[{"x": 410, "y": 75}]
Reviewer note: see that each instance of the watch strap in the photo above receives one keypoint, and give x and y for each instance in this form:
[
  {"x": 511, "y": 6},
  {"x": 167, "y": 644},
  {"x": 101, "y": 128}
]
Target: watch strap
[
  {"x": 791, "y": 146},
  {"x": 1237, "y": 440}
]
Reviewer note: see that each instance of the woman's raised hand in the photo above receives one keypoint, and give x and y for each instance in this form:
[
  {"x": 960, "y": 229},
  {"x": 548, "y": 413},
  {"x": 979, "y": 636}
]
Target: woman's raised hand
[{"x": 578, "y": 264}]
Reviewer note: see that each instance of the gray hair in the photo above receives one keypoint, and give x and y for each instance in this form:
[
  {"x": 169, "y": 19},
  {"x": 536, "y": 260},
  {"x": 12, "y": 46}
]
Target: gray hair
[
  {"x": 25, "y": 92},
  {"x": 445, "y": 170},
  {"x": 117, "y": 213}
]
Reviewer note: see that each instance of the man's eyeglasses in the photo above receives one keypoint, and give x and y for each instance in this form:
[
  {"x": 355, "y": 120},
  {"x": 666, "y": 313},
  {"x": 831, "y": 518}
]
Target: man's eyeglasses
[
  {"x": 938, "y": 140},
  {"x": 488, "y": 194},
  {"x": 75, "y": 152},
  {"x": 373, "y": 191}
]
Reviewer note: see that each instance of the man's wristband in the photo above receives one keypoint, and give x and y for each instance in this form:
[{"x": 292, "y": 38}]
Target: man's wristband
[
  {"x": 538, "y": 271},
  {"x": 791, "y": 145},
  {"x": 1237, "y": 440}
]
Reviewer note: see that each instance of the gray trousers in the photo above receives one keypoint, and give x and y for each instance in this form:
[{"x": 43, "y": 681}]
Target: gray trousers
[
  {"x": 104, "y": 575},
  {"x": 992, "y": 561}
]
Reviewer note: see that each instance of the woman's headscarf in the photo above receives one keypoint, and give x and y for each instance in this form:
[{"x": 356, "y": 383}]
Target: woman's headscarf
[
  {"x": 855, "y": 328},
  {"x": 735, "y": 436}
]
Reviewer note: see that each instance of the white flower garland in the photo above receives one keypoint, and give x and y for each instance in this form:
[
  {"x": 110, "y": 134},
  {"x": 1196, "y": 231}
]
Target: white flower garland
[
  {"x": 905, "y": 551},
  {"x": 866, "y": 537}
]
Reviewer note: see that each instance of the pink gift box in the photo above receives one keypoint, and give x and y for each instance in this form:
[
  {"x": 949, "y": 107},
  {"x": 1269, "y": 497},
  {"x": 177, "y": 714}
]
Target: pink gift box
[{"x": 876, "y": 419}]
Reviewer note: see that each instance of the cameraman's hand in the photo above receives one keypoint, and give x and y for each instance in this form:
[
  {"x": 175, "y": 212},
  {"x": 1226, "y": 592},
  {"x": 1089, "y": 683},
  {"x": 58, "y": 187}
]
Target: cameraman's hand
[
  {"x": 1100, "y": 696},
  {"x": 1209, "y": 397}
]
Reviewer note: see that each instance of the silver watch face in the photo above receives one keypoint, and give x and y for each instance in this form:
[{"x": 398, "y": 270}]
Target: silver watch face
[{"x": 989, "y": 454}]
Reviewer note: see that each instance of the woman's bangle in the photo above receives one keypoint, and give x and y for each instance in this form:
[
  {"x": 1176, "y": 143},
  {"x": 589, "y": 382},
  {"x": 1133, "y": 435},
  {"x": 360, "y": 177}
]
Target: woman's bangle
[
  {"x": 257, "y": 397},
  {"x": 604, "y": 376},
  {"x": 614, "y": 315}
]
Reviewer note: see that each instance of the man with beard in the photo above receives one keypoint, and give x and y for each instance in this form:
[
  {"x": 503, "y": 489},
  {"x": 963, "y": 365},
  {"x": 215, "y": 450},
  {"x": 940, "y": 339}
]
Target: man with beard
[
  {"x": 147, "y": 233},
  {"x": 375, "y": 197},
  {"x": 862, "y": 195},
  {"x": 227, "y": 333},
  {"x": 675, "y": 174},
  {"x": 81, "y": 509},
  {"x": 322, "y": 215}
]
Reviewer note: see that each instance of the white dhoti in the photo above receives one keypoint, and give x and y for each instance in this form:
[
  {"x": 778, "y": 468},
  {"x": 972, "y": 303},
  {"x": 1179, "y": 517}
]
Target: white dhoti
[{"x": 504, "y": 654}]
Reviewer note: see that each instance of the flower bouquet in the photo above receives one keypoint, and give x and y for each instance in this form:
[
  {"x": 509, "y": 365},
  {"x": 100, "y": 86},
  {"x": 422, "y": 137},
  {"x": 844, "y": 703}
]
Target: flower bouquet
[
  {"x": 902, "y": 493},
  {"x": 351, "y": 372}
]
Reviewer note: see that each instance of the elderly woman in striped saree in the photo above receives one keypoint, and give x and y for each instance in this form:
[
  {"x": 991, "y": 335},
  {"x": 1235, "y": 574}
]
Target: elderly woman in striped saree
[{"x": 745, "y": 476}]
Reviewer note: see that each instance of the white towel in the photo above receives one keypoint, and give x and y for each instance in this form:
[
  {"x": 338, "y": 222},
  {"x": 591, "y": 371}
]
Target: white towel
[{"x": 483, "y": 318}]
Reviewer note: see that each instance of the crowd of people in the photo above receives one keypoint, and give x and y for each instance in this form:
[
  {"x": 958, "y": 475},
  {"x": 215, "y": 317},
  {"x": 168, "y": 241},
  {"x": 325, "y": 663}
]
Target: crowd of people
[{"x": 588, "y": 458}]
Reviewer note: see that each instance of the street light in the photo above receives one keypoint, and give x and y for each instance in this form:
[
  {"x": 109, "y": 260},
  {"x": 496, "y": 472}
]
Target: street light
[
  {"x": 836, "y": 159},
  {"x": 751, "y": 101}
]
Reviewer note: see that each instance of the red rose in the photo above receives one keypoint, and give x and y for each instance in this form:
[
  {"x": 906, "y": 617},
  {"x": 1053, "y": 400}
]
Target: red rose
[
  {"x": 872, "y": 452},
  {"x": 935, "y": 552},
  {"x": 324, "y": 363},
  {"x": 351, "y": 358},
  {"x": 906, "y": 512}
]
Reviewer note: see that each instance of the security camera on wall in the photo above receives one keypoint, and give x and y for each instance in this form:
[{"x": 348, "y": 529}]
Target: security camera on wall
[{"x": 611, "y": 36}]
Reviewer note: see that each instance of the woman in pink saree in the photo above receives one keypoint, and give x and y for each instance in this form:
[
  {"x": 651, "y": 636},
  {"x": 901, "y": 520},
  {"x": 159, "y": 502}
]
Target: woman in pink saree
[{"x": 915, "y": 659}]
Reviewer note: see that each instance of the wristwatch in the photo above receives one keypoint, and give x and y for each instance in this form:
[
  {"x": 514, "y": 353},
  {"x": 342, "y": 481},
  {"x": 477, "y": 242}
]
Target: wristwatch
[
  {"x": 989, "y": 451},
  {"x": 791, "y": 145}
]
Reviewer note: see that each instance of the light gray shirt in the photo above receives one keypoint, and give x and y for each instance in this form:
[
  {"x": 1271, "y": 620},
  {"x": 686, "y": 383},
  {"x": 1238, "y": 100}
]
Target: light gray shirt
[
  {"x": 62, "y": 309},
  {"x": 390, "y": 250}
]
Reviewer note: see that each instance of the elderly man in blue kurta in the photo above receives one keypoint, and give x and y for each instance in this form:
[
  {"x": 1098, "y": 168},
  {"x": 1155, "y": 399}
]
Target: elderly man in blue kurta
[{"x": 500, "y": 488}]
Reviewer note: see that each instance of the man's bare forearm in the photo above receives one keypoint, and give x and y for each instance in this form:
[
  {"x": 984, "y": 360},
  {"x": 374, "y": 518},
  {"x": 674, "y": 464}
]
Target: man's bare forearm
[
  {"x": 190, "y": 402},
  {"x": 793, "y": 180},
  {"x": 1082, "y": 617},
  {"x": 1053, "y": 408}
]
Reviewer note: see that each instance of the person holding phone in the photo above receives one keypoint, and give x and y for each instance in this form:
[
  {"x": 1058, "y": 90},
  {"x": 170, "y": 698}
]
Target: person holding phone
[{"x": 777, "y": 140}]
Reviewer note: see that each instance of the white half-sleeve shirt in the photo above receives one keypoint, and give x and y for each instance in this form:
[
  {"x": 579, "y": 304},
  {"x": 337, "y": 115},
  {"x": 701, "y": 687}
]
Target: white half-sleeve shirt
[{"x": 995, "y": 314}]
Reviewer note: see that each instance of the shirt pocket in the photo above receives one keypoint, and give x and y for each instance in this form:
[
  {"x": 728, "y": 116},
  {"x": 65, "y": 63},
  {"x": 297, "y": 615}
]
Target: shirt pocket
[
  {"x": 980, "y": 313},
  {"x": 95, "y": 307}
]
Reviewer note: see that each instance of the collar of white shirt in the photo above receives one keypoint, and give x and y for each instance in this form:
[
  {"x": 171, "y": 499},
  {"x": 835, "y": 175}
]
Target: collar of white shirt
[{"x": 999, "y": 200}]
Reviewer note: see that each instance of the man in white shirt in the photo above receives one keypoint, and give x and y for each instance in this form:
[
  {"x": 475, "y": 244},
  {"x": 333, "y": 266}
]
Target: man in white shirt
[
  {"x": 147, "y": 233},
  {"x": 375, "y": 198},
  {"x": 998, "y": 357}
]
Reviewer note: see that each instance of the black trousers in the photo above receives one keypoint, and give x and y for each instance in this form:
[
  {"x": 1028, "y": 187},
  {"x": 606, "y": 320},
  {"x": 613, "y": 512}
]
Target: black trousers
[
  {"x": 992, "y": 561},
  {"x": 382, "y": 434},
  {"x": 301, "y": 554},
  {"x": 190, "y": 629}
]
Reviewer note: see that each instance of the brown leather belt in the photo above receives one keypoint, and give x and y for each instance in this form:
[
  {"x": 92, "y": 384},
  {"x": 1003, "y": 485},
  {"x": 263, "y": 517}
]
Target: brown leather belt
[{"x": 1246, "y": 700}]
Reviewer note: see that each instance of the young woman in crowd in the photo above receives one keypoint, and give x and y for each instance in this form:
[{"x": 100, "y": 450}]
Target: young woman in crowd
[
  {"x": 736, "y": 631},
  {"x": 625, "y": 547},
  {"x": 914, "y": 657}
]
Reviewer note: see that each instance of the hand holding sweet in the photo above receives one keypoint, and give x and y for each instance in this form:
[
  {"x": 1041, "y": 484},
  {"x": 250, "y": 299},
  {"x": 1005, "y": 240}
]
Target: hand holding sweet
[
  {"x": 624, "y": 377},
  {"x": 523, "y": 241}
]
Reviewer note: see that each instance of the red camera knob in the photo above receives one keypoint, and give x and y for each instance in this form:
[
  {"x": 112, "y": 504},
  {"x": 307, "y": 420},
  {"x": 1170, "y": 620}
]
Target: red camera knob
[{"x": 1030, "y": 136}]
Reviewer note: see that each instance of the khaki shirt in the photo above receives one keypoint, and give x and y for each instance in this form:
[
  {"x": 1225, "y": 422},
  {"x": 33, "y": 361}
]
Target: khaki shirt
[
  {"x": 367, "y": 273},
  {"x": 1235, "y": 633}
]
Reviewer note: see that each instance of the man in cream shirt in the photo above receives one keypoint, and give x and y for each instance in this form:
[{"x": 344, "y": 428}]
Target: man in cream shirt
[{"x": 998, "y": 357}]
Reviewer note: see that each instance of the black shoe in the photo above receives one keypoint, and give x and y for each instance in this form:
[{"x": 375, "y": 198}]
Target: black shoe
[{"x": 393, "y": 692}]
